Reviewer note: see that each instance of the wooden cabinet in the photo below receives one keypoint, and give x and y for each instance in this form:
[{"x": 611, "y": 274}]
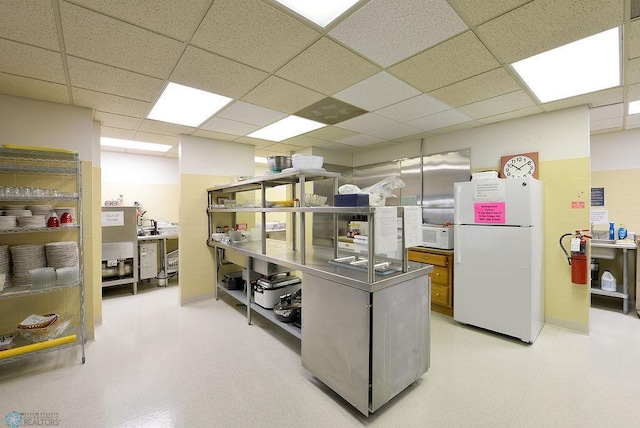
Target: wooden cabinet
[{"x": 441, "y": 277}]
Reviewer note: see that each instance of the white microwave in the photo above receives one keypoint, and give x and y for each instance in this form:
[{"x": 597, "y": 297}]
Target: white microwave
[{"x": 435, "y": 236}]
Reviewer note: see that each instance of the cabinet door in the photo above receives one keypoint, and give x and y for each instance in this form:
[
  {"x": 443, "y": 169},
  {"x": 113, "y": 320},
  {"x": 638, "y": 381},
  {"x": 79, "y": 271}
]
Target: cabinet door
[{"x": 335, "y": 338}]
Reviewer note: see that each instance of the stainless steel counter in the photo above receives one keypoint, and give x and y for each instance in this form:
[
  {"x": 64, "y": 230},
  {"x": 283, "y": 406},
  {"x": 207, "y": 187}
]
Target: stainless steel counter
[{"x": 611, "y": 250}]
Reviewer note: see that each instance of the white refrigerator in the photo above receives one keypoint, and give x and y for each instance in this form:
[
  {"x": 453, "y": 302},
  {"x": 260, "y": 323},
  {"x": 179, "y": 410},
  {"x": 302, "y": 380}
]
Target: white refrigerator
[{"x": 498, "y": 259}]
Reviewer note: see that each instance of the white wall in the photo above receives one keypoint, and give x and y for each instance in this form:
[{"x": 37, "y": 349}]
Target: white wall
[
  {"x": 615, "y": 150},
  {"x": 208, "y": 157},
  {"x": 133, "y": 168},
  {"x": 44, "y": 124}
]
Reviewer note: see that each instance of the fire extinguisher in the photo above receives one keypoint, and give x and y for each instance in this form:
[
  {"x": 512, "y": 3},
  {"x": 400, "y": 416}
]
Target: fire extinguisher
[{"x": 578, "y": 258}]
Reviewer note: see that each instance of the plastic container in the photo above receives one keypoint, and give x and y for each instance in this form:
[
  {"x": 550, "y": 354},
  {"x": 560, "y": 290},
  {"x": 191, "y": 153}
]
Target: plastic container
[
  {"x": 622, "y": 232},
  {"x": 612, "y": 231},
  {"x": 608, "y": 281},
  {"x": 305, "y": 161}
]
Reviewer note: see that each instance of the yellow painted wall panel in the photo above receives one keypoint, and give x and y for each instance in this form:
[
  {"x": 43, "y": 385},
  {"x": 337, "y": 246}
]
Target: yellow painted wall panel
[{"x": 621, "y": 196}]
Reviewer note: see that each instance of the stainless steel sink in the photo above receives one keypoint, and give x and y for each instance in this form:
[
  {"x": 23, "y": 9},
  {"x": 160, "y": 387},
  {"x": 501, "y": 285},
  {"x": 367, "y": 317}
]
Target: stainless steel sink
[{"x": 603, "y": 241}]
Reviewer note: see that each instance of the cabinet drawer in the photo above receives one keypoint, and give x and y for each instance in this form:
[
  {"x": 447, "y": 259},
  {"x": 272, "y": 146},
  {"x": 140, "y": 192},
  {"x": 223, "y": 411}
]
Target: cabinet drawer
[
  {"x": 440, "y": 275},
  {"x": 432, "y": 259},
  {"x": 440, "y": 294}
]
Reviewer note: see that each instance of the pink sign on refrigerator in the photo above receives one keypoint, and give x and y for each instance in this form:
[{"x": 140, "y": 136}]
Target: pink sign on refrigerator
[{"x": 490, "y": 212}]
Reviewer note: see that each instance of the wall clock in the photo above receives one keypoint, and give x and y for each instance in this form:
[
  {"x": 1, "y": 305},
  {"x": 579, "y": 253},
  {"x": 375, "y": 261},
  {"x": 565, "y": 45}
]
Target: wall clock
[{"x": 520, "y": 165}]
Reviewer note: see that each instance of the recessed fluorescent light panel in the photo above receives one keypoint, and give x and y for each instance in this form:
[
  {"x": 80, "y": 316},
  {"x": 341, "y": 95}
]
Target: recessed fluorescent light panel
[
  {"x": 130, "y": 144},
  {"x": 186, "y": 106},
  {"x": 634, "y": 107},
  {"x": 321, "y": 12},
  {"x": 584, "y": 66},
  {"x": 286, "y": 128}
]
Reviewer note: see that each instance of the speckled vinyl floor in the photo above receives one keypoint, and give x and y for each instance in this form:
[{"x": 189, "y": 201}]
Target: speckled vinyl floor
[{"x": 155, "y": 364}]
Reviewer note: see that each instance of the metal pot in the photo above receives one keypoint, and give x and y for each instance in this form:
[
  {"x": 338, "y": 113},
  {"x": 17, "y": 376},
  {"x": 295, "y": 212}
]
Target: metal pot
[
  {"x": 278, "y": 163},
  {"x": 289, "y": 307}
]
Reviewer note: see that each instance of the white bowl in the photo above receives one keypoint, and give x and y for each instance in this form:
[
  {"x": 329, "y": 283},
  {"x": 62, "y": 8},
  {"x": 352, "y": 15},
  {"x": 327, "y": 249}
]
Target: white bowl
[{"x": 304, "y": 161}]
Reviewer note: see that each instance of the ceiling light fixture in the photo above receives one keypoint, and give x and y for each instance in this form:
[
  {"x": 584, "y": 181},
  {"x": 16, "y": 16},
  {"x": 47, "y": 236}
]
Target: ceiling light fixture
[
  {"x": 634, "y": 107},
  {"x": 584, "y": 66},
  {"x": 137, "y": 145},
  {"x": 286, "y": 128},
  {"x": 186, "y": 106},
  {"x": 322, "y": 13}
]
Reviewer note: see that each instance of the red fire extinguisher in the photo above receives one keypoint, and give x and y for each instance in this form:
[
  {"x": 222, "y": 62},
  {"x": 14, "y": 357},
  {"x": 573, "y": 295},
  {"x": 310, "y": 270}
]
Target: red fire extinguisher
[{"x": 578, "y": 258}]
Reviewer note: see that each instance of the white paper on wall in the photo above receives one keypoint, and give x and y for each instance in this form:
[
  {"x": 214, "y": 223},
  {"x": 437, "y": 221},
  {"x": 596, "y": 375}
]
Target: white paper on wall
[
  {"x": 412, "y": 226},
  {"x": 386, "y": 227}
]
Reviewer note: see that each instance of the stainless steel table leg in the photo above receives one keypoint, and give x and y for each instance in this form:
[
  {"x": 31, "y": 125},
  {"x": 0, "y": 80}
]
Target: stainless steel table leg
[{"x": 625, "y": 281}]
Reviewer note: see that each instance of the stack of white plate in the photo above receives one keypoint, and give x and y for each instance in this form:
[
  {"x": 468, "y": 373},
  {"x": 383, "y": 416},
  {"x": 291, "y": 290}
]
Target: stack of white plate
[
  {"x": 14, "y": 207},
  {"x": 40, "y": 209},
  {"x": 25, "y": 258},
  {"x": 18, "y": 213},
  {"x": 8, "y": 222},
  {"x": 62, "y": 254},
  {"x": 5, "y": 266},
  {"x": 33, "y": 221}
]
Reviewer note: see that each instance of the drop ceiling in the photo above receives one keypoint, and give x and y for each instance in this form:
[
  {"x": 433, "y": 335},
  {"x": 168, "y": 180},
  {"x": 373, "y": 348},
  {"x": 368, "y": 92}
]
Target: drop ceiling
[{"x": 417, "y": 68}]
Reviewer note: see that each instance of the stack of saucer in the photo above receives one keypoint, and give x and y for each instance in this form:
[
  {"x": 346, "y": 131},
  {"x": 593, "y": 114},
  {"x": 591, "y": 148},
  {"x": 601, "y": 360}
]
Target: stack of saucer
[
  {"x": 5, "y": 266},
  {"x": 33, "y": 221},
  {"x": 17, "y": 213},
  {"x": 62, "y": 254},
  {"x": 25, "y": 258},
  {"x": 8, "y": 222},
  {"x": 40, "y": 209}
]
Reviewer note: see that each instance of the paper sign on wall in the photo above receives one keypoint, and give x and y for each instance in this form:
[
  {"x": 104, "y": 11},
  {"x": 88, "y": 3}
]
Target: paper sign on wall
[
  {"x": 489, "y": 212},
  {"x": 386, "y": 229},
  {"x": 489, "y": 190},
  {"x": 113, "y": 218},
  {"x": 412, "y": 226},
  {"x": 599, "y": 216}
]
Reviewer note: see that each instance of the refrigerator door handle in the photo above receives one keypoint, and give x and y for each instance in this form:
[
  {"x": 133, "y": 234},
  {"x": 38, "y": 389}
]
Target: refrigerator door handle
[{"x": 456, "y": 243}]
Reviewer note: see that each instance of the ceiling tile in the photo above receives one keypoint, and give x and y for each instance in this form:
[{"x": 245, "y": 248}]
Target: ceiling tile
[
  {"x": 110, "y": 103},
  {"x": 457, "y": 127},
  {"x": 367, "y": 123},
  {"x": 440, "y": 120},
  {"x": 633, "y": 93},
  {"x": 108, "y": 41},
  {"x": 304, "y": 141},
  {"x": 336, "y": 147},
  {"x": 257, "y": 142},
  {"x": 632, "y": 71},
  {"x": 122, "y": 134},
  {"x": 388, "y": 31},
  {"x": 117, "y": 121},
  {"x": 29, "y": 61},
  {"x": 456, "y": 59},
  {"x": 228, "y": 126},
  {"x": 222, "y": 76},
  {"x": 546, "y": 24},
  {"x": 283, "y": 148},
  {"x": 376, "y": 92},
  {"x": 103, "y": 78},
  {"x": 606, "y": 112},
  {"x": 486, "y": 85},
  {"x": 360, "y": 140},
  {"x": 476, "y": 12},
  {"x": 594, "y": 99},
  {"x": 29, "y": 22},
  {"x": 613, "y": 123},
  {"x": 517, "y": 100},
  {"x": 327, "y": 67},
  {"x": 32, "y": 88},
  {"x": 633, "y": 121},
  {"x": 396, "y": 131},
  {"x": 158, "y": 127},
  {"x": 148, "y": 137},
  {"x": 510, "y": 115},
  {"x": 173, "y": 18},
  {"x": 415, "y": 137},
  {"x": 253, "y": 32},
  {"x": 634, "y": 38},
  {"x": 250, "y": 113},
  {"x": 331, "y": 133},
  {"x": 413, "y": 108},
  {"x": 214, "y": 135},
  {"x": 282, "y": 95}
]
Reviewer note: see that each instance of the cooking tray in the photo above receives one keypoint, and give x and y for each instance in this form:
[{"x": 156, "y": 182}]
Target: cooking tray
[{"x": 381, "y": 267}]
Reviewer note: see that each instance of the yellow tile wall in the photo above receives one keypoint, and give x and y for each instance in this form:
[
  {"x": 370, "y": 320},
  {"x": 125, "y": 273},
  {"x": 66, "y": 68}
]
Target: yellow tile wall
[
  {"x": 565, "y": 181},
  {"x": 621, "y": 196}
]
